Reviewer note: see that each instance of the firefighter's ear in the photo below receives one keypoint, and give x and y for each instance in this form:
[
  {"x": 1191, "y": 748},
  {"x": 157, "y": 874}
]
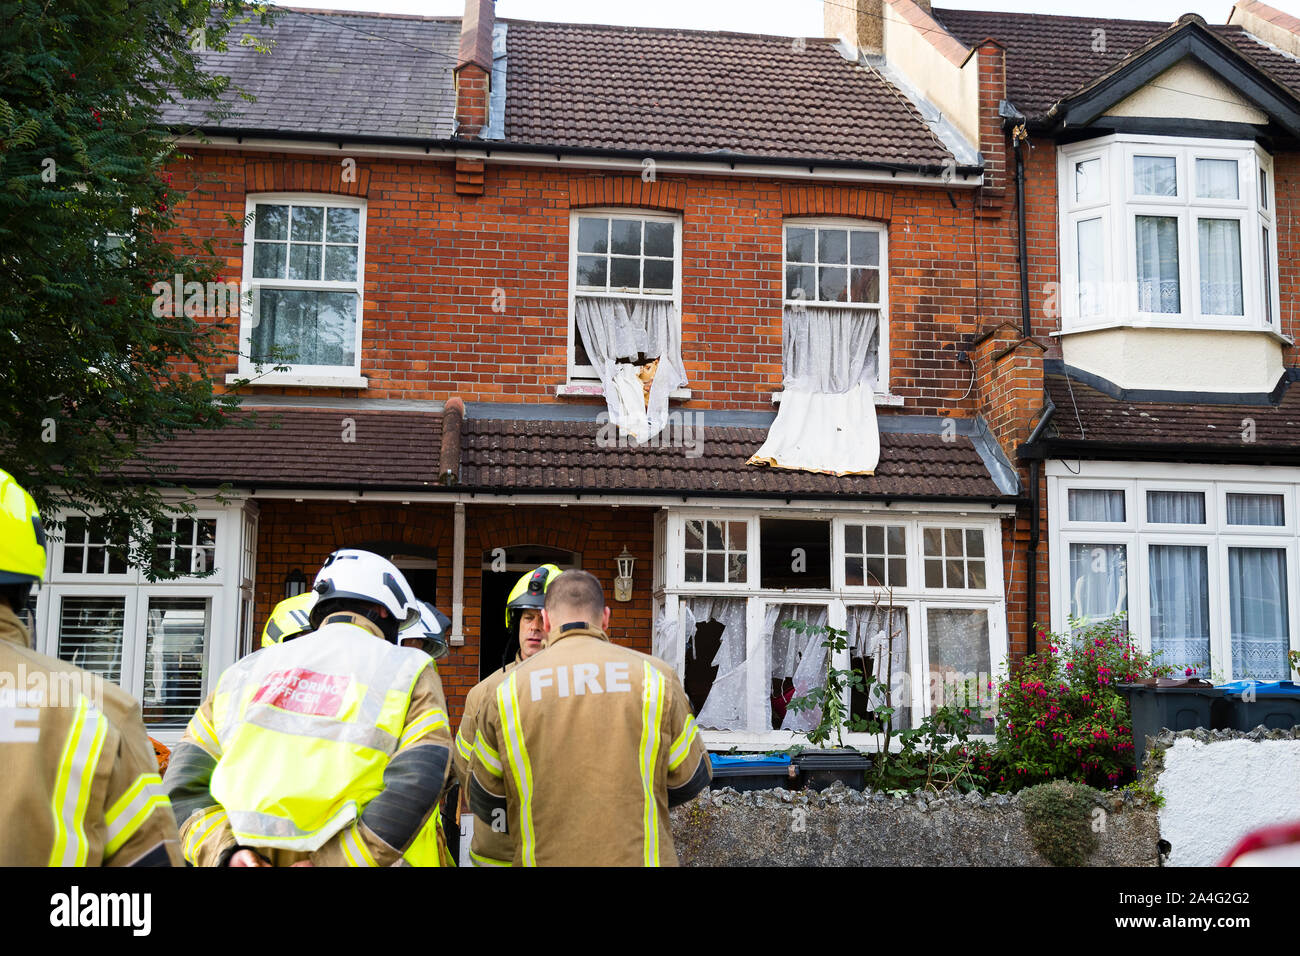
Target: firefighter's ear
[
  {"x": 604, "y": 620},
  {"x": 546, "y": 621}
]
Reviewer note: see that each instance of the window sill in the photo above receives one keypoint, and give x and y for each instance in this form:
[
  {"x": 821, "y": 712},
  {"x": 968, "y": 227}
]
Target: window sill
[
  {"x": 881, "y": 398},
  {"x": 596, "y": 390},
  {"x": 278, "y": 379},
  {"x": 1179, "y": 326}
]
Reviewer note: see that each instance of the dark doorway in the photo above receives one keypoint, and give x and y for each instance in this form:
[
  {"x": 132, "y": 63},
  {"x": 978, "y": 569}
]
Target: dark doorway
[{"x": 501, "y": 569}]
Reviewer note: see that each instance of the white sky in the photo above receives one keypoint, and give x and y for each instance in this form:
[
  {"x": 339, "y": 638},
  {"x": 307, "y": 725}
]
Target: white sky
[{"x": 790, "y": 17}]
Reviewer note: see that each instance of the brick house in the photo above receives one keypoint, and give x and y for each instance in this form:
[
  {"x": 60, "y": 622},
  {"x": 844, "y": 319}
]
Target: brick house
[{"x": 448, "y": 222}]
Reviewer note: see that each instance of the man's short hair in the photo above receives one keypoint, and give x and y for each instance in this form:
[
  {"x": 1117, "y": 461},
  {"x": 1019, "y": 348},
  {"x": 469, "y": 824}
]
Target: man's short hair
[{"x": 576, "y": 594}]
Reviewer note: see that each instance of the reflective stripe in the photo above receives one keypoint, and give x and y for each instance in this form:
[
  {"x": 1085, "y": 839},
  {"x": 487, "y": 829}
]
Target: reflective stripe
[
  {"x": 465, "y": 749},
  {"x": 130, "y": 811},
  {"x": 200, "y": 831},
  {"x": 322, "y": 728},
  {"x": 487, "y": 860},
  {"x": 204, "y": 734},
  {"x": 257, "y": 829},
  {"x": 354, "y": 848},
  {"x": 517, "y": 753},
  {"x": 682, "y": 745},
  {"x": 72, "y": 787},
  {"x": 652, "y": 709},
  {"x": 424, "y": 725},
  {"x": 490, "y": 758}
]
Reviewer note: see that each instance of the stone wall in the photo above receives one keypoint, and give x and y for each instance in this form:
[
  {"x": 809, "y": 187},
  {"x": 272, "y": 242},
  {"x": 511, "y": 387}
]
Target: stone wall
[{"x": 842, "y": 827}]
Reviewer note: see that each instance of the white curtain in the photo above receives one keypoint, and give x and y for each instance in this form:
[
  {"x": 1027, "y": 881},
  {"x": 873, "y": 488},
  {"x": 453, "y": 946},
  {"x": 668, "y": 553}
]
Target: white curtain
[
  {"x": 1220, "y": 251},
  {"x": 1180, "y": 606},
  {"x": 827, "y": 419},
  {"x": 1265, "y": 510},
  {"x": 617, "y": 332},
  {"x": 1176, "y": 507},
  {"x": 725, "y": 707},
  {"x": 799, "y": 657},
  {"x": 1216, "y": 179},
  {"x": 1157, "y": 264},
  {"x": 869, "y": 640},
  {"x": 1096, "y": 504},
  {"x": 1098, "y": 580},
  {"x": 1257, "y": 599}
]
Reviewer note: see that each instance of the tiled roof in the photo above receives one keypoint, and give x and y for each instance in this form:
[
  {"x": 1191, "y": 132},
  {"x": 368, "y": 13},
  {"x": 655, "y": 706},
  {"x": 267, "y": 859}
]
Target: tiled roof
[
  {"x": 689, "y": 91},
  {"x": 1086, "y": 415},
  {"x": 311, "y": 447},
  {"x": 1051, "y": 57},
  {"x": 349, "y": 73},
  {"x": 563, "y": 456}
]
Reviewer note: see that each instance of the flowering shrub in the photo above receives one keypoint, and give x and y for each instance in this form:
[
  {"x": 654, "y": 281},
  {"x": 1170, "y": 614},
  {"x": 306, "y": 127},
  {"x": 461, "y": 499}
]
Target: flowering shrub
[{"x": 1060, "y": 716}]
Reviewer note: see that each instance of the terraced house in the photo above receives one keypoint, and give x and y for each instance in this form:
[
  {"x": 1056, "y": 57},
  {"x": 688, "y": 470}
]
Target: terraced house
[{"x": 738, "y": 323}]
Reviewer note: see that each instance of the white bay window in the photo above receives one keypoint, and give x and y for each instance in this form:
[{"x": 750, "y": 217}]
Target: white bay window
[
  {"x": 1205, "y": 570},
  {"x": 730, "y": 581},
  {"x": 1167, "y": 231}
]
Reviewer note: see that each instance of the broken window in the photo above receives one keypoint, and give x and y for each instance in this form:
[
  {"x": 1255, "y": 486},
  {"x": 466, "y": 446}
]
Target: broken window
[
  {"x": 875, "y": 556},
  {"x": 715, "y": 630},
  {"x": 878, "y": 646},
  {"x": 954, "y": 558},
  {"x": 797, "y": 662},
  {"x": 794, "y": 553},
  {"x": 716, "y": 551}
]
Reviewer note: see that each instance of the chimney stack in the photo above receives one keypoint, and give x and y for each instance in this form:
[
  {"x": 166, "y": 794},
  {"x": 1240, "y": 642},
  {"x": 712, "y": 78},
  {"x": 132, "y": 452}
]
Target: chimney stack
[{"x": 474, "y": 67}]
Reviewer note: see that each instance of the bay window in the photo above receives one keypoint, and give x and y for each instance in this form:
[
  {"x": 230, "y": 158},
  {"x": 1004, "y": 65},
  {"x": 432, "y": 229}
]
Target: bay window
[
  {"x": 921, "y": 599},
  {"x": 1167, "y": 231},
  {"x": 1205, "y": 571},
  {"x": 304, "y": 262}
]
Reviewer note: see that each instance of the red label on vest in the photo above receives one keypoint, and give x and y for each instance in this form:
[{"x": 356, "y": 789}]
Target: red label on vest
[{"x": 304, "y": 692}]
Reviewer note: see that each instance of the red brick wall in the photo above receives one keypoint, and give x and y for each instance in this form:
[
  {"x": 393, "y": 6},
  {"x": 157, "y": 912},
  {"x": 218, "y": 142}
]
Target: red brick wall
[
  {"x": 434, "y": 259},
  {"x": 301, "y": 534}
]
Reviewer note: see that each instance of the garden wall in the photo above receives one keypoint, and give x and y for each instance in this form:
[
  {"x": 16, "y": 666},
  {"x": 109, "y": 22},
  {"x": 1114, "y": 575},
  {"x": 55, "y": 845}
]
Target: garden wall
[
  {"x": 1219, "y": 785},
  {"x": 841, "y": 827}
]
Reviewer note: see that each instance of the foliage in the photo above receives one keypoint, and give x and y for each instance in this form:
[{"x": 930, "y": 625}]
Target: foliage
[
  {"x": 1060, "y": 715},
  {"x": 1059, "y": 818},
  {"x": 93, "y": 375},
  {"x": 1295, "y": 662},
  {"x": 827, "y": 700}
]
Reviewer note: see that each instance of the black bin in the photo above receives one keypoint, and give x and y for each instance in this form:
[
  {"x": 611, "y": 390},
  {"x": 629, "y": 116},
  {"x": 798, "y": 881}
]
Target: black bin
[
  {"x": 821, "y": 768},
  {"x": 1275, "y": 704},
  {"x": 1184, "y": 705},
  {"x": 752, "y": 772}
]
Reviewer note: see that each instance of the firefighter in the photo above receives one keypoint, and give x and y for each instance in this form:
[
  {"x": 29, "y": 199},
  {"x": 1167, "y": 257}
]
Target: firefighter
[
  {"x": 597, "y": 794},
  {"x": 330, "y": 749},
  {"x": 494, "y": 847},
  {"x": 80, "y": 785},
  {"x": 289, "y": 619}
]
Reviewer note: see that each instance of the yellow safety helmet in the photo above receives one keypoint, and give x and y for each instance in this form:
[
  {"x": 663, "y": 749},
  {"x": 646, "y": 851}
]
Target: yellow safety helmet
[
  {"x": 291, "y": 617},
  {"x": 22, "y": 536},
  {"x": 530, "y": 590}
]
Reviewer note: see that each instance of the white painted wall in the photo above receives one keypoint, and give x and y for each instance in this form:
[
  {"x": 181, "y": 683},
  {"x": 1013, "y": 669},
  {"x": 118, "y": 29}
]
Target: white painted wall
[
  {"x": 1189, "y": 91},
  {"x": 1194, "y": 360},
  {"x": 953, "y": 89},
  {"x": 1218, "y": 792}
]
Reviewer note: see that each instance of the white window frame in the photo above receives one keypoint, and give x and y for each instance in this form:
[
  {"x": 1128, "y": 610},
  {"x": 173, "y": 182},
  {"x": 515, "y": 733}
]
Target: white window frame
[
  {"x": 881, "y": 386},
  {"x": 338, "y": 376},
  {"x": 1119, "y": 207},
  {"x": 912, "y": 600},
  {"x": 225, "y": 588},
  {"x": 1139, "y": 534},
  {"x": 585, "y": 375}
]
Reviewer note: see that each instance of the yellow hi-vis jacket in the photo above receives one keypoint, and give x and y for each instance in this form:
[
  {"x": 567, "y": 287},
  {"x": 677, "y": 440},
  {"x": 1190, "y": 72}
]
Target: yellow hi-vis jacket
[
  {"x": 79, "y": 781},
  {"x": 491, "y": 846},
  {"x": 586, "y": 745},
  {"x": 333, "y": 747}
]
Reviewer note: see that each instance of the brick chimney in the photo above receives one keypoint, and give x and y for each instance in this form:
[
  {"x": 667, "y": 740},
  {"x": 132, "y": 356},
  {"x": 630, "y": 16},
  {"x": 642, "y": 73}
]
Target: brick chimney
[
  {"x": 1009, "y": 372},
  {"x": 474, "y": 67}
]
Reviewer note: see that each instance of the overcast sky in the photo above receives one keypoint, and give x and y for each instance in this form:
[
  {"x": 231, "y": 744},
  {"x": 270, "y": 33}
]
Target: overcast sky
[{"x": 791, "y": 17}]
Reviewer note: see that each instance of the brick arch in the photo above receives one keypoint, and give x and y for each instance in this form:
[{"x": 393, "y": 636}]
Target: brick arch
[
  {"x": 628, "y": 191},
  {"x": 836, "y": 201},
  {"x": 395, "y": 525},
  {"x": 517, "y": 526},
  {"x": 305, "y": 176}
]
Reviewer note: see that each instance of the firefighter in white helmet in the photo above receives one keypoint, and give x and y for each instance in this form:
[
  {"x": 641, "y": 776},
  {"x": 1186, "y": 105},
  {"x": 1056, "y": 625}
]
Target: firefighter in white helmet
[{"x": 330, "y": 749}]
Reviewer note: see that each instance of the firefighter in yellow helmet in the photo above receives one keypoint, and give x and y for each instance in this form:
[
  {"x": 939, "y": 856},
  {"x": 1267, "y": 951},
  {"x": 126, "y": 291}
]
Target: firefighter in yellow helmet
[
  {"x": 330, "y": 749},
  {"x": 526, "y": 636},
  {"x": 75, "y": 745},
  {"x": 289, "y": 619}
]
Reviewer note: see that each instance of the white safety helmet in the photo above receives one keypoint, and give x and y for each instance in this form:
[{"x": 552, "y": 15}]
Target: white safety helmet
[
  {"x": 430, "y": 631},
  {"x": 351, "y": 574}
]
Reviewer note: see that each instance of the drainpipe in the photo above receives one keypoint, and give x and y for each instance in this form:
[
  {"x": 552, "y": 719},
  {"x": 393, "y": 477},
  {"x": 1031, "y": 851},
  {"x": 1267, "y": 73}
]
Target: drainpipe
[
  {"x": 457, "y": 638},
  {"x": 1014, "y": 120},
  {"x": 1031, "y": 600}
]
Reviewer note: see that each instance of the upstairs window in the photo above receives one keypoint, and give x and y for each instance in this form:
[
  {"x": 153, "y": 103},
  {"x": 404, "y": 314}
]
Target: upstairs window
[
  {"x": 1160, "y": 231},
  {"x": 303, "y": 265}
]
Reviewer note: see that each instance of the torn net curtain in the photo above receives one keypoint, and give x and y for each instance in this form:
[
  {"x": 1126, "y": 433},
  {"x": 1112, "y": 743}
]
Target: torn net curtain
[
  {"x": 827, "y": 418},
  {"x": 616, "y": 332}
]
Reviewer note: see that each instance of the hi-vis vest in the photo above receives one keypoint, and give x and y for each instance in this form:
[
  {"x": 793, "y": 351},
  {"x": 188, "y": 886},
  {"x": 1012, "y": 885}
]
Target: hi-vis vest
[{"x": 305, "y": 731}]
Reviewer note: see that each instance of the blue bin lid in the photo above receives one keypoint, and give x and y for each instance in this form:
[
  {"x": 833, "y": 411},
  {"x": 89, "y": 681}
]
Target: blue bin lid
[
  {"x": 1264, "y": 688},
  {"x": 749, "y": 760}
]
